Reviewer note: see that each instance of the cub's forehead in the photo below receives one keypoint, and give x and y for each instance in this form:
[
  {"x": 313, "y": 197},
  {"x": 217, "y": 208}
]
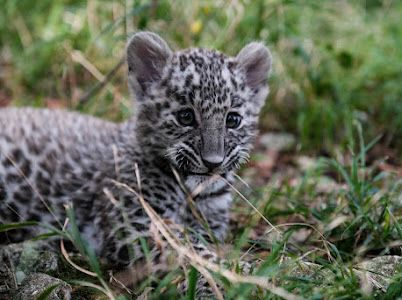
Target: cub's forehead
[{"x": 201, "y": 77}]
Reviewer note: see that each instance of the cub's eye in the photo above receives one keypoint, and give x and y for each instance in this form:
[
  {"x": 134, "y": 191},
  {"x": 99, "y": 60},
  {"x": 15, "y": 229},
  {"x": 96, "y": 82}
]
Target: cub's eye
[
  {"x": 186, "y": 117},
  {"x": 233, "y": 120}
]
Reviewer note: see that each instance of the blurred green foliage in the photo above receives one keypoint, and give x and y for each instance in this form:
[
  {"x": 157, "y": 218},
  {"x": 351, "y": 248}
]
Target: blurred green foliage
[{"x": 334, "y": 61}]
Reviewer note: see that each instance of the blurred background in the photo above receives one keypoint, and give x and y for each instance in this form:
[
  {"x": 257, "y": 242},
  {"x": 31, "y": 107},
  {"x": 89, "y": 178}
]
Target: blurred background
[{"x": 334, "y": 61}]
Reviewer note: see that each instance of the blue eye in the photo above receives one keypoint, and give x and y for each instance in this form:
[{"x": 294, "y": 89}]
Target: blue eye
[
  {"x": 186, "y": 117},
  {"x": 233, "y": 120}
]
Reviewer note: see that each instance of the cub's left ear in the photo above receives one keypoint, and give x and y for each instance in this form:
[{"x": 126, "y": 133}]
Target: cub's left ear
[{"x": 255, "y": 60}]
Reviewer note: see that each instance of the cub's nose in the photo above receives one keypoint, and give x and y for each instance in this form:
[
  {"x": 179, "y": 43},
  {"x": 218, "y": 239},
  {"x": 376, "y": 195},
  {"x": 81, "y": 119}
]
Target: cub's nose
[{"x": 212, "y": 162}]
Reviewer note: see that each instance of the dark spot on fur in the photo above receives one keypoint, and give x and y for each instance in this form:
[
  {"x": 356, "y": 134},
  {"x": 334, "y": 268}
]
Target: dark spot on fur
[
  {"x": 170, "y": 206},
  {"x": 20, "y": 197},
  {"x": 159, "y": 196},
  {"x": 34, "y": 147},
  {"x": 34, "y": 217},
  {"x": 43, "y": 189},
  {"x": 13, "y": 178},
  {"x": 146, "y": 194},
  {"x": 123, "y": 254},
  {"x": 16, "y": 155},
  {"x": 3, "y": 193},
  {"x": 7, "y": 162},
  {"x": 139, "y": 213},
  {"x": 26, "y": 168},
  {"x": 42, "y": 178},
  {"x": 66, "y": 167},
  {"x": 189, "y": 80},
  {"x": 139, "y": 226},
  {"x": 159, "y": 210}
]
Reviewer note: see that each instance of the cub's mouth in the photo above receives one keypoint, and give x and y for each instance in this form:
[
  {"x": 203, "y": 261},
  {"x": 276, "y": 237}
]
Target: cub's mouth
[
  {"x": 197, "y": 173},
  {"x": 204, "y": 174}
]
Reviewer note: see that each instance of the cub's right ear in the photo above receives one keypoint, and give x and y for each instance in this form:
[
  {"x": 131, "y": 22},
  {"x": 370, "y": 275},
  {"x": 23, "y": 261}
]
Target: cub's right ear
[
  {"x": 147, "y": 56},
  {"x": 255, "y": 60}
]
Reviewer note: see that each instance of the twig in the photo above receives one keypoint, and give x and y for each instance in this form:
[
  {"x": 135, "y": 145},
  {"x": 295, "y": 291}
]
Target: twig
[
  {"x": 78, "y": 57},
  {"x": 190, "y": 199},
  {"x": 67, "y": 257},
  {"x": 253, "y": 207},
  {"x": 101, "y": 84}
]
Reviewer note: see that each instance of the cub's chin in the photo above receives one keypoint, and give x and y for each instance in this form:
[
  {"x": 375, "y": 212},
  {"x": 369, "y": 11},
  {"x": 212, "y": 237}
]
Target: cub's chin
[{"x": 200, "y": 184}]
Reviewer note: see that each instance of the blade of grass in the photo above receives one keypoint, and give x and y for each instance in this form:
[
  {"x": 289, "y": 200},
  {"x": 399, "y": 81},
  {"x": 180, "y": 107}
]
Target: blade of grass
[
  {"x": 192, "y": 283},
  {"x": 47, "y": 292},
  {"x": 10, "y": 226}
]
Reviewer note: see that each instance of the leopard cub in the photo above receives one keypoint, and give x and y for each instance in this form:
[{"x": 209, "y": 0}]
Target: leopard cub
[{"x": 194, "y": 121}]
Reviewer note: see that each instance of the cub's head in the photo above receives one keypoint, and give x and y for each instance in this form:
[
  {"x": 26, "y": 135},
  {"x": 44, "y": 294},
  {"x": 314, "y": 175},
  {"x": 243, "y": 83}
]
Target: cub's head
[{"x": 197, "y": 107}]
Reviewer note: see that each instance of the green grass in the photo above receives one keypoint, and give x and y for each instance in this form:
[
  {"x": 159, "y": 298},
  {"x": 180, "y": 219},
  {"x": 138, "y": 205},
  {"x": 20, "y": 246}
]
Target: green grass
[{"x": 336, "y": 83}]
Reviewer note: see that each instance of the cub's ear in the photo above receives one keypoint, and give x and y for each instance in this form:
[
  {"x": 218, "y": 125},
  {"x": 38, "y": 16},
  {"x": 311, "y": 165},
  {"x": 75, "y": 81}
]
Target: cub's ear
[
  {"x": 147, "y": 56},
  {"x": 255, "y": 60}
]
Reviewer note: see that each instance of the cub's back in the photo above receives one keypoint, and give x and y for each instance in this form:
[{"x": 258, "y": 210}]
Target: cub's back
[
  {"x": 48, "y": 154},
  {"x": 41, "y": 135},
  {"x": 19, "y": 124}
]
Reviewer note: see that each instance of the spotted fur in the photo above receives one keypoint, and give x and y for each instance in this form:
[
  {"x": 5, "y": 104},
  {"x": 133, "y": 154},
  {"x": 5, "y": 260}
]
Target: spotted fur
[{"x": 52, "y": 158}]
